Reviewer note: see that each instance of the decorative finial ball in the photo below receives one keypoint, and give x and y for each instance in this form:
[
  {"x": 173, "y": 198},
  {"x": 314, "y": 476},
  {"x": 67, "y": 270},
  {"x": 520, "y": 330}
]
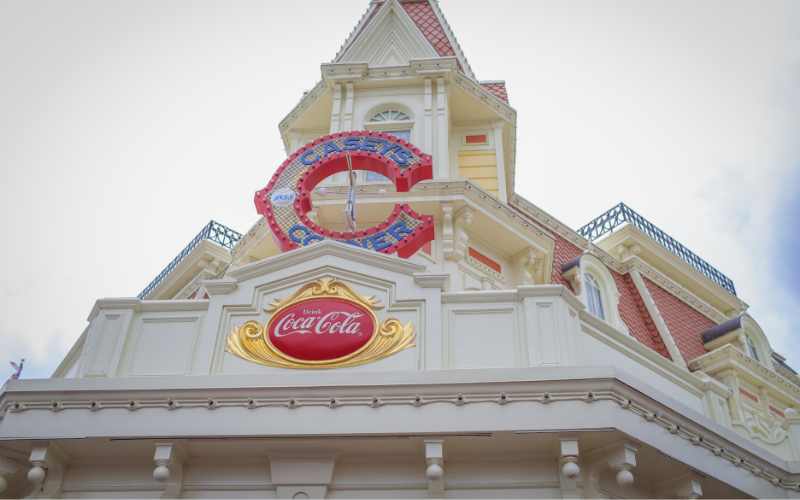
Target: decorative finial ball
[
  {"x": 624, "y": 478},
  {"x": 322, "y": 191},
  {"x": 3, "y": 483},
  {"x": 434, "y": 472},
  {"x": 382, "y": 192},
  {"x": 36, "y": 475},
  {"x": 161, "y": 473},
  {"x": 570, "y": 470},
  {"x": 791, "y": 413}
]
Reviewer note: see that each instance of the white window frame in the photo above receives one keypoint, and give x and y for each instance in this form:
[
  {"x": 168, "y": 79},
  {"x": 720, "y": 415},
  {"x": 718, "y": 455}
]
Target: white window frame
[{"x": 609, "y": 293}]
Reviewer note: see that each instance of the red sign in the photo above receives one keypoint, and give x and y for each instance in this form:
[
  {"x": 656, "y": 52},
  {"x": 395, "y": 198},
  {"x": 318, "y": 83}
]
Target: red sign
[
  {"x": 321, "y": 329},
  {"x": 286, "y": 200}
]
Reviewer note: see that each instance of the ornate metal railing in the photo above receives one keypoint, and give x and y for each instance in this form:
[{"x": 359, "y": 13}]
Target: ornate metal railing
[
  {"x": 223, "y": 236},
  {"x": 622, "y": 214}
]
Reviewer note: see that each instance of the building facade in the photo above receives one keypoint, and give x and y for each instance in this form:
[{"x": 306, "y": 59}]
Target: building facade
[{"x": 400, "y": 323}]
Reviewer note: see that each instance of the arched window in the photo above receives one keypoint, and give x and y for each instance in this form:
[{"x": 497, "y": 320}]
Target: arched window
[
  {"x": 595, "y": 286},
  {"x": 751, "y": 346},
  {"x": 391, "y": 115},
  {"x": 593, "y": 296}
]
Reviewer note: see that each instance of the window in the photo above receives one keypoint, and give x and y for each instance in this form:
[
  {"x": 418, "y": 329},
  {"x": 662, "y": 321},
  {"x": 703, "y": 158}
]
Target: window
[
  {"x": 593, "y": 296},
  {"x": 400, "y": 134},
  {"x": 391, "y": 115},
  {"x": 751, "y": 346}
]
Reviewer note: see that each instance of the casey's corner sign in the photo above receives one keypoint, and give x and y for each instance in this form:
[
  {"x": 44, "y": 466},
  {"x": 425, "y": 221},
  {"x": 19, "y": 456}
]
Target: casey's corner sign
[
  {"x": 325, "y": 324},
  {"x": 286, "y": 200}
]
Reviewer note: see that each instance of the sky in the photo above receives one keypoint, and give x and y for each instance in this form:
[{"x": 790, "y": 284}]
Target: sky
[{"x": 126, "y": 126}]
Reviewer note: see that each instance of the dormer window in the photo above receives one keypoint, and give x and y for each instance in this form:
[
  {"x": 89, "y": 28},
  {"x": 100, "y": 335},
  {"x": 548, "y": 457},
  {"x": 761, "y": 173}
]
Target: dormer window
[
  {"x": 595, "y": 286},
  {"x": 751, "y": 346},
  {"x": 391, "y": 115},
  {"x": 593, "y": 296}
]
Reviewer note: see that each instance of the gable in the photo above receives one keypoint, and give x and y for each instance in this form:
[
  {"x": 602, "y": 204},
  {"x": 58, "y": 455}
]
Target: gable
[{"x": 390, "y": 39}]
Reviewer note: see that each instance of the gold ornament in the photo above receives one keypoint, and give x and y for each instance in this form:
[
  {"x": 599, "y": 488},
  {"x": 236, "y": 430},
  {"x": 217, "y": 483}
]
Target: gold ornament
[{"x": 251, "y": 341}]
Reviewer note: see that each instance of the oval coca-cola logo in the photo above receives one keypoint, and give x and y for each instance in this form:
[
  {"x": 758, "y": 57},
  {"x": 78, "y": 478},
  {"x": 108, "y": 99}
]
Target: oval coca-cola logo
[{"x": 321, "y": 329}]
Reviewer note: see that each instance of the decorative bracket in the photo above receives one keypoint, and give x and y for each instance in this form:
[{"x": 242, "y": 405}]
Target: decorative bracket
[
  {"x": 169, "y": 459},
  {"x": 49, "y": 465},
  {"x": 434, "y": 457},
  {"x": 8, "y": 468}
]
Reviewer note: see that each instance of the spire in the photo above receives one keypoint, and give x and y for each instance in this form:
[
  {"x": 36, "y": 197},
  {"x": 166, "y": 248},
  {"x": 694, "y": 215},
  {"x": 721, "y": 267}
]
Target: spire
[{"x": 425, "y": 15}]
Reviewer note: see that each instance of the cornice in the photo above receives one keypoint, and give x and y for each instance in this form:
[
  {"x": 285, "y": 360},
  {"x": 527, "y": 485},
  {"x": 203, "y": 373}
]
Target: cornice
[
  {"x": 482, "y": 296},
  {"x": 323, "y": 248},
  {"x": 489, "y": 100},
  {"x": 550, "y": 291},
  {"x": 431, "y": 280},
  {"x": 204, "y": 250},
  {"x": 300, "y": 108},
  {"x": 630, "y": 234},
  {"x": 220, "y": 287},
  {"x": 730, "y": 358},
  {"x": 607, "y": 387}
]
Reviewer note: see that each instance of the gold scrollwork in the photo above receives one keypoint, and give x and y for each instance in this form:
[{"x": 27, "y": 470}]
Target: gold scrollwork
[{"x": 251, "y": 342}]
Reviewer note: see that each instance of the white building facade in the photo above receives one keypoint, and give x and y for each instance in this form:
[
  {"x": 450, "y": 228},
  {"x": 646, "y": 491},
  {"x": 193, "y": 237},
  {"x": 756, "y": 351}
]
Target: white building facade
[{"x": 461, "y": 343}]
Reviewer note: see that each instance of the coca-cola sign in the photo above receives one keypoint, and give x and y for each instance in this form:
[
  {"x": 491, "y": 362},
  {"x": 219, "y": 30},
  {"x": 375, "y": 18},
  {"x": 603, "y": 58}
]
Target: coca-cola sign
[
  {"x": 321, "y": 329},
  {"x": 324, "y": 324}
]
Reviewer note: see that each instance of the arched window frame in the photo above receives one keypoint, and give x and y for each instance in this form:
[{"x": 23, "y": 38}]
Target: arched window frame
[
  {"x": 744, "y": 334},
  {"x": 589, "y": 263},
  {"x": 391, "y": 105},
  {"x": 389, "y": 126},
  {"x": 752, "y": 338}
]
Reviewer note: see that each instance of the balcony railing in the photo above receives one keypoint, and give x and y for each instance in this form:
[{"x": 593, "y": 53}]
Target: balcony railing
[
  {"x": 622, "y": 214},
  {"x": 219, "y": 234}
]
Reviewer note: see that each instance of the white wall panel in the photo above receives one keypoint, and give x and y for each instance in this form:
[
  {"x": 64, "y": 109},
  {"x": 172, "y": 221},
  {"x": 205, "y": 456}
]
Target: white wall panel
[
  {"x": 164, "y": 346},
  {"x": 483, "y": 338}
]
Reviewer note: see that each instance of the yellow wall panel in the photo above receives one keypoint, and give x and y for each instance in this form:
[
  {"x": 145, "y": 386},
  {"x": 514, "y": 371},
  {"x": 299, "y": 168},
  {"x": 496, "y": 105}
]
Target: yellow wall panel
[
  {"x": 480, "y": 167},
  {"x": 481, "y": 159},
  {"x": 487, "y": 184},
  {"x": 470, "y": 172}
]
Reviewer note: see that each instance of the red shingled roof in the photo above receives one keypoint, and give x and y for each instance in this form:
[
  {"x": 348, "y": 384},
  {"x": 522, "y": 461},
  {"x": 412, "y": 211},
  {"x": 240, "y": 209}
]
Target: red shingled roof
[
  {"x": 684, "y": 322},
  {"x": 423, "y": 16},
  {"x": 498, "y": 89},
  {"x": 631, "y": 306},
  {"x": 634, "y": 313}
]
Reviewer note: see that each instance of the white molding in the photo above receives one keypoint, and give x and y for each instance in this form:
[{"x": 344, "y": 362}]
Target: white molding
[
  {"x": 431, "y": 280},
  {"x": 326, "y": 247},
  {"x": 220, "y": 287}
]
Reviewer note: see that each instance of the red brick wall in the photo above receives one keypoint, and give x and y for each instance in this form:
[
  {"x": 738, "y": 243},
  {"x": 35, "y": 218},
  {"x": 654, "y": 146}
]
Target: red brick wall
[{"x": 684, "y": 322}]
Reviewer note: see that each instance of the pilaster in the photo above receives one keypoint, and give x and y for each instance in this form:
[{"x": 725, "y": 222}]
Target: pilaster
[
  {"x": 502, "y": 190},
  {"x": 442, "y": 157}
]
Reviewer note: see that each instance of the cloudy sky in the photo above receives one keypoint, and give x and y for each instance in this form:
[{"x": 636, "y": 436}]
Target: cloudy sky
[{"x": 126, "y": 126}]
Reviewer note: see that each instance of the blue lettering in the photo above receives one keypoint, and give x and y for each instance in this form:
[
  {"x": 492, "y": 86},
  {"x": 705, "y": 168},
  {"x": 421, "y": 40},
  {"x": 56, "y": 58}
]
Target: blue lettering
[
  {"x": 378, "y": 241},
  {"x": 352, "y": 143},
  {"x": 401, "y": 157},
  {"x": 295, "y": 238},
  {"x": 305, "y": 156},
  {"x": 397, "y": 229},
  {"x": 330, "y": 147},
  {"x": 313, "y": 237},
  {"x": 388, "y": 146},
  {"x": 369, "y": 144},
  {"x": 355, "y": 243}
]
